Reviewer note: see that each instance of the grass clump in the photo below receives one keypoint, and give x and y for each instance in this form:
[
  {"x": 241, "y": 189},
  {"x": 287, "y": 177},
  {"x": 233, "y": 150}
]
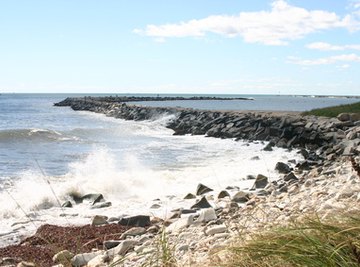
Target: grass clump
[
  {"x": 335, "y": 110},
  {"x": 312, "y": 243}
]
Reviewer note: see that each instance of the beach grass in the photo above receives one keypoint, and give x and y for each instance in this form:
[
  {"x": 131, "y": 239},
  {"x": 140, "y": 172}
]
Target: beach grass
[
  {"x": 312, "y": 243},
  {"x": 335, "y": 110}
]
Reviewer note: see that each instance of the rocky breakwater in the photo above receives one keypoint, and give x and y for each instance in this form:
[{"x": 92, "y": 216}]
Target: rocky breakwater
[{"x": 318, "y": 138}]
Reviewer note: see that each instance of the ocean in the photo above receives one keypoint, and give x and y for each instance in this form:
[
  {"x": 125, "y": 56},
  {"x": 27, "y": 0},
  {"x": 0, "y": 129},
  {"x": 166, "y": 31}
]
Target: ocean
[{"x": 48, "y": 152}]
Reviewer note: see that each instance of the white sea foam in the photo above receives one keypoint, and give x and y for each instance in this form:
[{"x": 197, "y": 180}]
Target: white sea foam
[{"x": 131, "y": 164}]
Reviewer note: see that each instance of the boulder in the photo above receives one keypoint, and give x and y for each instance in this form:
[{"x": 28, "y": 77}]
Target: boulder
[
  {"x": 282, "y": 167},
  {"x": 223, "y": 194},
  {"x": 123, "y": 247},
  {"x": 101, "y": 205},
  {"x": 190, "y": 196},
  {"x": 355, "y": 117},
  {"x": 83, "y": 258},
  {"x": 93, "y": 198},
  {"x": 133, "y": 232},
  {"x": 343, "y": 117},
  {"x": 99, "y": 220},
  {"x": 261, "y": 181},
  {"x": 139, "y": 220},
  {"x": 207, "y": 215},
  {"x": 201, "y": 204},
  {"x": 109, "y": 244},
  {"x": 181, "y": 224},
  {"x": 290, "y": 177},
  {"x": 240, "y": 197},
  {"x": 216, "y": 230},
  {"x": 67, "y": 204},
  {"x": 202, "y": 189}
]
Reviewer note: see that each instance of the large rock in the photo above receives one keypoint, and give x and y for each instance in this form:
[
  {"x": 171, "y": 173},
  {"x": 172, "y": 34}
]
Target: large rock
[
  {"x": 122, "y": 248},
  {"x": 290, "y": 177},
  {"x": 190, "y": 196},
  {"x": 99, "y": 220},
  {"x": 63, "y": 257},
  {"x": 282, "y": 167},
  {"x": 223, "y": 194},
  {"x": 343, "y": 117},
  {"x": 83, "y": 258},
  {"x": 355, "y": 117},
  {"x": 207, "y": 215},
  {"x": 260, "y": 182},
  {"x": 240, "y": 197},
  {"x": 201, "y": 204},
  {"x": 139, "y": 220},
  {"x": 202, "y": 189},
  {"x": 180, "y": 224}
]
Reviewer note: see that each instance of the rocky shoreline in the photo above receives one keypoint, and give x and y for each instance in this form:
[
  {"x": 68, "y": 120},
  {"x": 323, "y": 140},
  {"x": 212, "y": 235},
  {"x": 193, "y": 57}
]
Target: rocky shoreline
[{"x": 325, "y": 181}]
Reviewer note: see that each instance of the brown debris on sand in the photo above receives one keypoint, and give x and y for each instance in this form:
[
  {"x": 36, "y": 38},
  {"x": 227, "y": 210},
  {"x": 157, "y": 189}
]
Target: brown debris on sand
[{"x": 50, "y": 239}]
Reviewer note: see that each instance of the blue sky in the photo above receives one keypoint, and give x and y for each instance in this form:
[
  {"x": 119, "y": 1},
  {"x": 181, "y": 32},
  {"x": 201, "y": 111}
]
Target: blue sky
[{"x": 180, "y": 46}]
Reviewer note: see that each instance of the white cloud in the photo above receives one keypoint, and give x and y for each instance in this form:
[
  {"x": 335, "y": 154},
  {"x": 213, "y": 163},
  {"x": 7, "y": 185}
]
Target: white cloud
[
  {"x": 281, "y": 24},
  {"x": 326, "y": 60},
  {"x": 329, "y": 47}
]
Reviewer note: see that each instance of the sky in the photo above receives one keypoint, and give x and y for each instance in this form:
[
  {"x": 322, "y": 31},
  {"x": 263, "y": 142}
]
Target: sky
[{"x": 180, "y": 46}]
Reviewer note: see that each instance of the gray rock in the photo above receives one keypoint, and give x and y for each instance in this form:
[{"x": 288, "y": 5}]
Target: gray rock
[
  {"x": 67, "y": 204},
  {"x": 201, "y": 204},
  {"x": 355, "y": 117},
  {"x": 101, "y": 205},
  {"x": 99, "y": 220},
  {"x": 202, "y": 189},
  {"x": 241, "y": 197},
  {"x": 190, "y": 196},
  {"x": 63, "y": 256},
  {"x": 83, "y": 258},
  {"x": 216, "y": 230},
  {"x": 109, "y": 244},
  {"x": 223, "y": 194},
  {"x": 139, "y": 220},
  {"x": 343, "y": 117},
  {"x": 123, "y": 247},
  {"x": 207, "y": 215},
  {"x": 290, "y": 177},
  {"x": 282, "y": 167},
  {"x": 133, "y": 232},
  {"x": 255, "y": 158},
  {"x": 261, "y": 181}
]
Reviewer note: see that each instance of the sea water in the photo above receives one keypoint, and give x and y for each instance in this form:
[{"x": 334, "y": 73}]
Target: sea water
[{"x": 48, "y": 152}]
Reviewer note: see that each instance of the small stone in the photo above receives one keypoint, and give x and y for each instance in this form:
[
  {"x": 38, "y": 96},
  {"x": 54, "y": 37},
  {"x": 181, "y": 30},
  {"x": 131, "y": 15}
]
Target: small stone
[
  {"x": 201, "y": 204},
  {"x": 255, "y": 158},
  {"x": 181, "y": 223},
  {"x": 343, "y": 117},
  {"x": 155, "y": 206},
  {"x": 26, "y": 264},
  {"x": 139, "y": 220},
  {"x": 67, "y": 204},
  {"x": 207, "y": 215},
  {"x": 183, "y": 247},
  {"x": 133, "y": 232},
  {"x": 290, "y": 177},
  {"x": 240, "y": 197},
  {"x": 101, "y": 205},
  {"x": 98, "y": 261},
  {"x": 216, "y": 230},
  {"x": 202, "y": 189},
  {"x": 261, "y": 181},
  {"x": 99, "y": 220},
  {"x": 223, "y": 194},
  {"x": 63, "y": 256},
  {"x": 122, "y": 248},
  {"x": 190, "y": 196},
  {"x": 109, "y": 244},
  {"x": 282, "y": 167},
  {"x": 83, "y": 258}
]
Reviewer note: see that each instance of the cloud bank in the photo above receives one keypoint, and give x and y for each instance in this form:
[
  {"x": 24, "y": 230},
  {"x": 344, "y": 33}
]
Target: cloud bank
[
  {"x": 325, "y": 60},
  {"x": 281, "y": 24},
  {"x": 329, "y": 47}
]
